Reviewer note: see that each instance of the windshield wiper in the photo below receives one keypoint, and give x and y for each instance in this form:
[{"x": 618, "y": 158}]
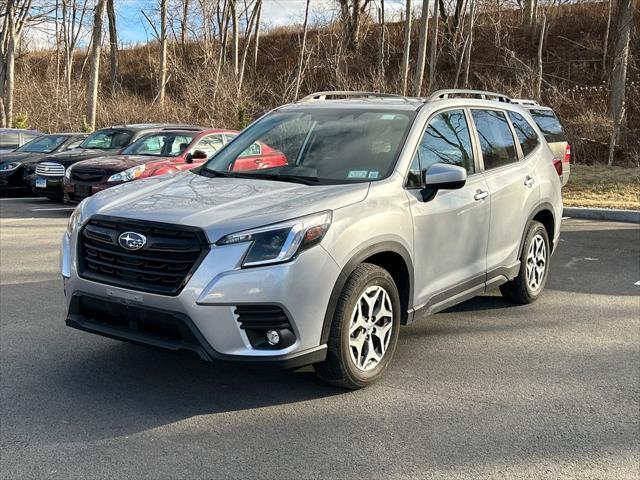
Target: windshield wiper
[{"x": 278, "y": 177}]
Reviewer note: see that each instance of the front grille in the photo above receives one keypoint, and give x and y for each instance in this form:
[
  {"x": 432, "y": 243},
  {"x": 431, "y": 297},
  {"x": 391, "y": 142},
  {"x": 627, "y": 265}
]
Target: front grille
[
  {"x": 87, "y": 175},
  {"x": 257, "y": 320},
  {"x": 163, "y": 265},
  {"x": 50, "y": 169}
]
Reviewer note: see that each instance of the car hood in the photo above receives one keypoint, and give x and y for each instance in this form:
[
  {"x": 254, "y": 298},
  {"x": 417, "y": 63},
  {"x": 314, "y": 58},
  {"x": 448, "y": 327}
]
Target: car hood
[
  {"x": 22, "y": 157},
  {"x": 76, "y": 155},
  {"x": 219, "y": 205},
  {"x": 115, "y": 163}
]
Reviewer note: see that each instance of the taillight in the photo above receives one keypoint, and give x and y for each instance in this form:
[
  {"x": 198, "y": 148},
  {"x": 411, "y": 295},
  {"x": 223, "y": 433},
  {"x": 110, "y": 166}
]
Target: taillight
[
  {"x": 557, "y": 163},
  {"x": 567, "y": 154}
]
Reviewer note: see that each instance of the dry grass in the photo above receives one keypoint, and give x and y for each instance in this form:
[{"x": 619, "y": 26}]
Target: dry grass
[{"x": 602, "y": 186}]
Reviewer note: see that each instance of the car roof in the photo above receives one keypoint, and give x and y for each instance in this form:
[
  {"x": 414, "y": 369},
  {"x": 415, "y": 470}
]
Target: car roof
[{"x": 154, "y": 126}]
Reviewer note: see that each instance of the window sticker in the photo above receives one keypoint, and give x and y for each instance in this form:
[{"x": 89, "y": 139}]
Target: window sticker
[
  {"x": 357, "y": 174},
  {"x": 374, "y": 174}
]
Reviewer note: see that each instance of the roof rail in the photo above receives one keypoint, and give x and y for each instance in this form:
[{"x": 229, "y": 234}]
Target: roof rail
[
  {"x": 463, "y": 93},
  {"x": 525, "y": 101},
  {"x": 349, "y": 94}
]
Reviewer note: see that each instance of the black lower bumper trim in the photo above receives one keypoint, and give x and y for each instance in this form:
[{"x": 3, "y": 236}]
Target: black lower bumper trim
[{"x": 167, "y": 330}]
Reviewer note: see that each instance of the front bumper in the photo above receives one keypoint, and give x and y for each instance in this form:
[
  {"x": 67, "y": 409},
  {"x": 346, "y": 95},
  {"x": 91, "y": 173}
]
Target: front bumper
[
  {"x": 78, "y": 191},
  {"x": 52, "y": 188},
  {"x": 204, "y": 313}
]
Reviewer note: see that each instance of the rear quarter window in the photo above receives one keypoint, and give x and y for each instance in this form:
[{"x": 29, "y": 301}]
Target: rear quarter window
[
  {"x": 527, "y": 136},
  {"x": 549, "y": 125}
]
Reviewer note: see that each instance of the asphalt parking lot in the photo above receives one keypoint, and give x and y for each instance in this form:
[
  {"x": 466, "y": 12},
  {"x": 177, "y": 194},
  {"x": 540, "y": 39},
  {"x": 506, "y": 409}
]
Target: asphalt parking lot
[{"x": 486, "y": 389}]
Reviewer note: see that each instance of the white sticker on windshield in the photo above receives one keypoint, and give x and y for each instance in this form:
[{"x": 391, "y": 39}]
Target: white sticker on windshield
[
  {"x": 374, "y": 174},
  {"x": 357, "y": 174}
]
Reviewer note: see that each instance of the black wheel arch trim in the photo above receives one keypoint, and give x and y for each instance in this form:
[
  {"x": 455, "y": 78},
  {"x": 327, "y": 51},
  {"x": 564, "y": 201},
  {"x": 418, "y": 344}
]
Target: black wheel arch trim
[
  {"x": 350, "y": 266},
  {"x": 541, "y": 207}
]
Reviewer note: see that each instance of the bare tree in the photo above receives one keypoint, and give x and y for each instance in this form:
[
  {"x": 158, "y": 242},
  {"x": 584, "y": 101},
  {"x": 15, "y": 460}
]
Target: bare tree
[
  {"x": 407, "y": 47},
  {"x": 256, "y": 37},
  {"x": 73, "y": 24},
  {"x": 184, "y": 22},
  {"x": 351, "y": 12},
  {"x": 96, "y": 43},
  {"x": 605, "y": 42},
  {"x": 434, "y": 46},
  {"x": 247, "y": 41},
  {"x": 624, "y": 22},
  {"x": 381, "y": 54},
  {"x": 15, "y": 18},
  {"x": 163, "y": 51},
  {"x": 543, "y": 31},
  {"x": 469, "y": 42},
  {"x": 113, "y": 46},
  {"x": 302, "y": 50},
  {"x": 234, "y": 33},
  {"x": 422, "y": 48}
]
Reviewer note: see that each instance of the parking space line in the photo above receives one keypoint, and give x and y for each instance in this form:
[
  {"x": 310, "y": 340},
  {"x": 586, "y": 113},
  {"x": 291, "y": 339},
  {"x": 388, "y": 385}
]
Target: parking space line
[
  {"x": 22, "y": 198},
  {"x": 51, "y": 209}
]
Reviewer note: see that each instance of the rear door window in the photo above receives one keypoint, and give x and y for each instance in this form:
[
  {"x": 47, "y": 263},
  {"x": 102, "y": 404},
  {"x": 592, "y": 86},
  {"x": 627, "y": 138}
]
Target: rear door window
[
  {"x": 496, "y": 140},
  {"x": 549, "y": 125},
  {"x": 527, "y": 136}
]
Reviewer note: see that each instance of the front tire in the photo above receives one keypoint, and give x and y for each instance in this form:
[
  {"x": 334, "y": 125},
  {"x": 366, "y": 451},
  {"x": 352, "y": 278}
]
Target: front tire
[
  {"x": 534, "y": 267},
  {"x": 364, "y": 331}
]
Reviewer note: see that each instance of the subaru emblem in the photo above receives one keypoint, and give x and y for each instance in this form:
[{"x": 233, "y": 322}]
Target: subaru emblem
[{"x": 132, "y": 240}]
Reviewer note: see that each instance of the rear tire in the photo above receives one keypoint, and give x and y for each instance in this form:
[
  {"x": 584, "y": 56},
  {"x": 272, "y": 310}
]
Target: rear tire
[
  {"x": 364, "y": 331},
  {"x": 534, "y": 267}
]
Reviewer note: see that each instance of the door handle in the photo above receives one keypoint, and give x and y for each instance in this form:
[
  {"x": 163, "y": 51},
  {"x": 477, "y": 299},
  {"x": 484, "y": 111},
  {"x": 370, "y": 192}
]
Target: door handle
[
  {"x": 529, "y": 181},
  {"x": 481, "y": 195}
]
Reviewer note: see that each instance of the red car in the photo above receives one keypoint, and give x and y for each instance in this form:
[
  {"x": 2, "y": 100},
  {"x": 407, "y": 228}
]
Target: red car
[{"x": 159, "y": 153}]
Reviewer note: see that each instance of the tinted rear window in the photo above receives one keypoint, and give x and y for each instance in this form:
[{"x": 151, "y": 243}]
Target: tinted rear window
[{"x": 549, "y": 124}]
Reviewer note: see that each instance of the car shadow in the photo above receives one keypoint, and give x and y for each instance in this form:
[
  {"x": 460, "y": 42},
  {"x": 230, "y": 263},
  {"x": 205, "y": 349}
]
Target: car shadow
[{"x": 119, "y": 389}]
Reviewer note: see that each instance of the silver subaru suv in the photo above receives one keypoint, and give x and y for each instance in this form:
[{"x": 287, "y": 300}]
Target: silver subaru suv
[{"x": 387, "y": 209}]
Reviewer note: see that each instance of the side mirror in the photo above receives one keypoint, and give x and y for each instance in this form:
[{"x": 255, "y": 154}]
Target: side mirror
[
  {"x": 442, "y": 176},
  {"x": 199, "y": 155}
]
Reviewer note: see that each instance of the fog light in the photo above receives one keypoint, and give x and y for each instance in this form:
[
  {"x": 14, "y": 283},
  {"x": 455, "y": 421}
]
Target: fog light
[{"x": 273, "y": 337}]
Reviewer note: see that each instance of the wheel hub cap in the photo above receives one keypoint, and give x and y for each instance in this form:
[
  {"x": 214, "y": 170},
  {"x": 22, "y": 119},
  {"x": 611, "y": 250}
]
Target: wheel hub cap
[
  {"x": 536, "y": 262},
  {"x": 370, "y": 328}
]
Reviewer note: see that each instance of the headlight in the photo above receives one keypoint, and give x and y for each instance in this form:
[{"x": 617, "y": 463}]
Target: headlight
[
  {"x": 129, "y": 174},
  {"x": 7, "y": 167},
  {"x": 74, "y": 220},
  {"x": 280, "y": 242},
  {"x": 67, "y": 173}
]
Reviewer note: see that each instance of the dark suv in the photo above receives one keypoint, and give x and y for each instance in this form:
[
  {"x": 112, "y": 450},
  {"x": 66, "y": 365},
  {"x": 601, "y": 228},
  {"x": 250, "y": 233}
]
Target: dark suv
[{"x": 49, "y": 174}]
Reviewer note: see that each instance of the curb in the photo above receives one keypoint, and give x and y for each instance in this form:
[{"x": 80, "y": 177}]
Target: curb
[{"x": 632, "y": 216}]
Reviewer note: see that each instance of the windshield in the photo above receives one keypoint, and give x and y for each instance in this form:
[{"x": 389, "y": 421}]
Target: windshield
[
  {"x": 326, "y": 145},
  {"x": 107, "y": 140},
  {"x": 43, "y": 144},
  {"x": 166, "y": 144}
]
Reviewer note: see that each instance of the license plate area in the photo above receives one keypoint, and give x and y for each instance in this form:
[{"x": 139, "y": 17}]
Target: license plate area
[
  {"x": 83, "y": 190},
  {"x": 41, "y": 182}
]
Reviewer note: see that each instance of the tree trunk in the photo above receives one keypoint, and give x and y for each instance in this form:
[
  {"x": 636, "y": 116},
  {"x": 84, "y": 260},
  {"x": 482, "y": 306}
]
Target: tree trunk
[
  {"x": 302, "y": 50},
  {"x": 113, "y": 46},
  {"x": 422, "y": 48},
  {"x": 10, "y": 64},
  {"x": 381, "y": 43},
  {"x": 163, "y": 51},
  {"x": 433, "y": 60},
  {"x": 92, "y": 87},
  {"x": 407, "y": 47},
  {"x": 605, "y": 43},
  {"x": 256, "y": 41},
  {"x": 538, "y": 91},
  {"x": 234, "y": 32},
  {"x": 467, "y": 57},
  {"x": 247, "y": 43},
  {"x": 617, "y": 91},
  {"x": 529, "y": 9},
  {"x": 184, "y": 24}
]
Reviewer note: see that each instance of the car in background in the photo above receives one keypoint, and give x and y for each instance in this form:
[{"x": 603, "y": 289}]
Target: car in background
[
  {"x": 18, "y": 166},
  {"x": 49, "y": 174},
  {"x": 551, "y": 128},
  {"x": 12, "y": 138},
  {"x": 159, "y": 153}
]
